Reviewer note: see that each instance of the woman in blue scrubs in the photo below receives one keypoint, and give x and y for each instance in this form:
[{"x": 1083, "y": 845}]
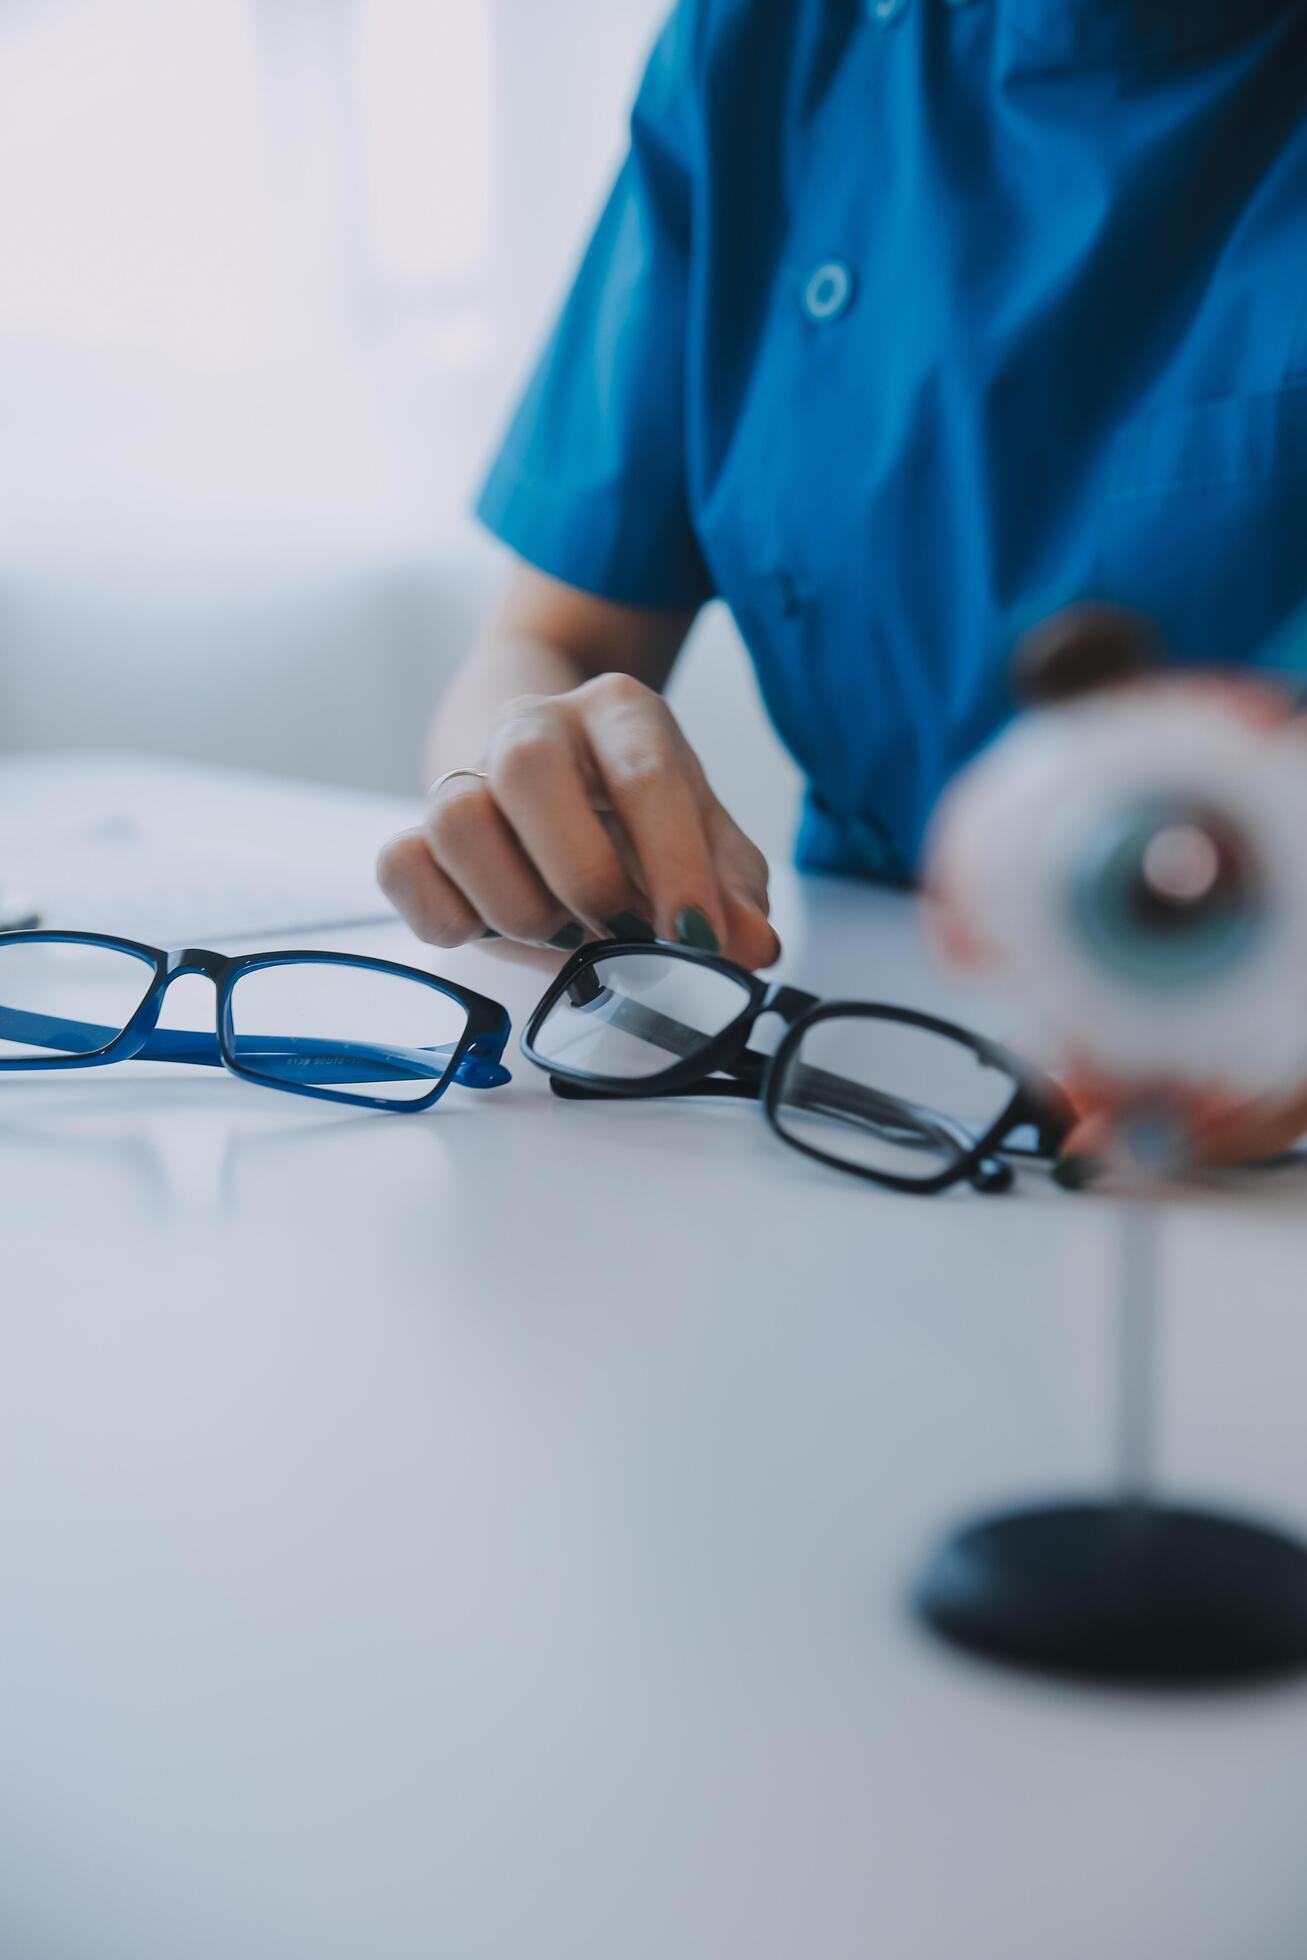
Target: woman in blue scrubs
[{"x": 907, "y": 321}]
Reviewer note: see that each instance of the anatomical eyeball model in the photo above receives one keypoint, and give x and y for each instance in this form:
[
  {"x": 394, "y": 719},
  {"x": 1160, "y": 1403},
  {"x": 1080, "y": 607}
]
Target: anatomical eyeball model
[{"x": 1129, "y": 864}]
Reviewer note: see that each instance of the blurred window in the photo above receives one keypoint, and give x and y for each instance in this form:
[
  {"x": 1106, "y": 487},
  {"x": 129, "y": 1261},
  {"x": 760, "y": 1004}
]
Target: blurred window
[
  {"x": 205, "y": 180},
  {"x": 425, "y": 96},
  {"x": 271, "y": 270}
]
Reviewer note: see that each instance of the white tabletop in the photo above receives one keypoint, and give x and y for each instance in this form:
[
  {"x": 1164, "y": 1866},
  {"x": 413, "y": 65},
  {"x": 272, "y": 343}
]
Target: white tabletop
[{"x": 486, "y": 1535}]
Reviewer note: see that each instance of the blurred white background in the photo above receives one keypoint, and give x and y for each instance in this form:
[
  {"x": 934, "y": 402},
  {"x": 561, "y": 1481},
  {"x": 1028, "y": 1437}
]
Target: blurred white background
[{"x": 271, "y": 272}]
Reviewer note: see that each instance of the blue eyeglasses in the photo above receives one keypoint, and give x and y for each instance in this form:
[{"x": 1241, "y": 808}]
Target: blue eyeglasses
[{"x": 337, "y": 1026}]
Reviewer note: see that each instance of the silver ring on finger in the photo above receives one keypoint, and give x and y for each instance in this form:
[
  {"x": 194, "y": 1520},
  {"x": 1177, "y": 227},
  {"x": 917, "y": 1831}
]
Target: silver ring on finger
[{"x": 450, "y": 775}]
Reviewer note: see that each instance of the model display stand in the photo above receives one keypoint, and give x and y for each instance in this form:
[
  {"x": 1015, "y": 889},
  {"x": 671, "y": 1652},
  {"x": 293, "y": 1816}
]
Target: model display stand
[{"x": 1124, "y": 1589}]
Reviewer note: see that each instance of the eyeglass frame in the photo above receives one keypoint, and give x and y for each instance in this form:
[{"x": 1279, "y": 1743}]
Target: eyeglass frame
[
  {"x": 727, "y": 1066},
  {"x": 475, "y": 1060}
]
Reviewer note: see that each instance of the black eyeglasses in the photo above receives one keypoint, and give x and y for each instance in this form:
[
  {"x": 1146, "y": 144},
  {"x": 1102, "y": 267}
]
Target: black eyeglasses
[
  {"x": 334, "y": 1025},
  {"x": 894, "y": 1096}
]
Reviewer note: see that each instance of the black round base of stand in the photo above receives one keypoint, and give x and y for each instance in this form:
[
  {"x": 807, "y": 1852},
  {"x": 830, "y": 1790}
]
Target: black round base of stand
[{"x": 1122, "y": 1593}]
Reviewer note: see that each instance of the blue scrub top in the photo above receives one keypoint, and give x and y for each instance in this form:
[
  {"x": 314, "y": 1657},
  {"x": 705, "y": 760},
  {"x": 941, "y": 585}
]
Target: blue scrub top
[{"x": 908, "y": 320}]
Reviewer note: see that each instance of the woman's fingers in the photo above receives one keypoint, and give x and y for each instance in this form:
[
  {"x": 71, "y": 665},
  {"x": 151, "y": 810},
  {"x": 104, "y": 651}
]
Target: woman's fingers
[
  {"x": 427, "y": 901},
  {"x": 647, "y": 773},
  {"x": 1217, "y": 1130},
  {"x": 750, "y": 936},
  {"x": 689, "y": 857},
  {"x": 472, "y": 842},
  {"x": 541, "y": 778},
  {"x": 742, "y": 872},
  {"x": 592, "y": 804},
  {"x": 1240, "y": 1133}
]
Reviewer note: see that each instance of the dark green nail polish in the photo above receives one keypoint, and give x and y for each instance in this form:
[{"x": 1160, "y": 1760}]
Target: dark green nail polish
[
  {"x": 692, "y": 929},
  {"x": 1077, "y": 1173},
  {"x": 629, "y": 925}
]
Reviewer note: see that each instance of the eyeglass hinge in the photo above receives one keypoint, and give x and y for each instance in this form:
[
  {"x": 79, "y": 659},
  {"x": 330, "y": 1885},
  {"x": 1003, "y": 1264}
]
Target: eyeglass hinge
[{"x": 788, "y": 1002}]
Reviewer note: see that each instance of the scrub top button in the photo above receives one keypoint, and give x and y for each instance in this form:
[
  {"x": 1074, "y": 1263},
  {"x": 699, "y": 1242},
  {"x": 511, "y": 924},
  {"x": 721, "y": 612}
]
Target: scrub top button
[
  {"x": 828, "y": 291},
  {"x": 884, "y": 11}
]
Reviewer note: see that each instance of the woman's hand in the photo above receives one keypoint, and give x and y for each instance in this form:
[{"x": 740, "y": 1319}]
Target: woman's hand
[
  {"x": 592, "y": 803},
  {"x": 1217, "y": 1129}
]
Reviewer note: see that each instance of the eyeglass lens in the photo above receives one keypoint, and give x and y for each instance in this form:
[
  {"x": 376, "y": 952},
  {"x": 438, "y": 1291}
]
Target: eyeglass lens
[
  {"x": 632, "y": 1016},
  {"x": 59, "y": 997},
  {"x": 355, "y": 1029},
  {"x": 887, "y": 1096}
]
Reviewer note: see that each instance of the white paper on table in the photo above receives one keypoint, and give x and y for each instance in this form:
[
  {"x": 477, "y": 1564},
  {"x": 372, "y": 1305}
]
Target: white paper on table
[{"x": 109, "y": 881}]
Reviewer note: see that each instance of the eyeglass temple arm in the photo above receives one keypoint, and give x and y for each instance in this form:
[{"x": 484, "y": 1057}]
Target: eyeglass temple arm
[
  {"x": 713, "y": 1085},
  {"x": 806, "y": 1085},
  {"x": 660, "y": 1031},
  {"x": 900, "y": 1122},
  {"x": 1042, "y": 1108},
  {"x": 745, "y": 1077},
  {"x": 905, "y": 1122},
  {"x": 309, "y": 1059},
  {"x": 837, "y": 1097}
]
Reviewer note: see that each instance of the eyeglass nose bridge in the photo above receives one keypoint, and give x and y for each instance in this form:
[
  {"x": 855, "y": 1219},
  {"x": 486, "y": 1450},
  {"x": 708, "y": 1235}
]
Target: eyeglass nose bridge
[
  {"x": 192, "y": 959},
  {"x": 195, "y": 959},
  {"x": 788, "y": 1005},
  {"x": 788, "y": 1002}
]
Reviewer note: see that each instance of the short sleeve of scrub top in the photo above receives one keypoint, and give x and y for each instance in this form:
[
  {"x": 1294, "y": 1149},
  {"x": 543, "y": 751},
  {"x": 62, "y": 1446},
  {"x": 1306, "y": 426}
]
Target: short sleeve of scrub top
[
  {"x": 590, "y": 485},
  {"x": 909, "y": 320}
]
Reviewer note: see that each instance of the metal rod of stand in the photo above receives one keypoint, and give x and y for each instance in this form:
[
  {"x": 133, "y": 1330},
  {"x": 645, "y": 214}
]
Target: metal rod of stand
[{"x": 1136, "y": 1355}]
